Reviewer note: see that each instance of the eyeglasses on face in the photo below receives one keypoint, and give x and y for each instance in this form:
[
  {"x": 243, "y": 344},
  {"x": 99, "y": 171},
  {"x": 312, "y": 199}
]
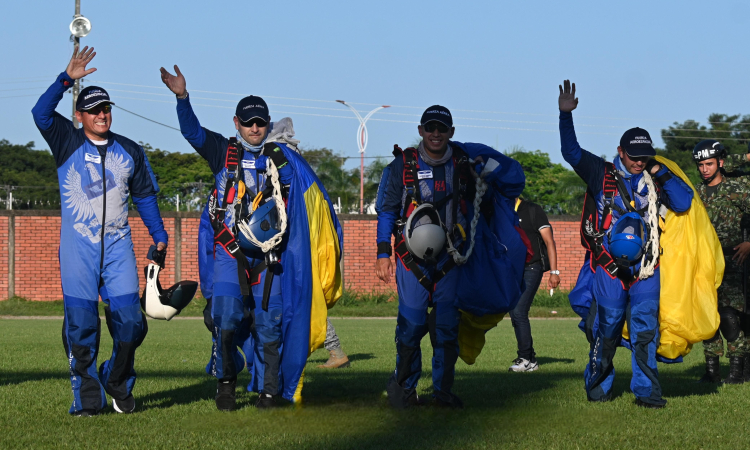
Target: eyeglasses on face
[
  {"x": 106, "y": 109},
  {"x": 432, "y": 126}
]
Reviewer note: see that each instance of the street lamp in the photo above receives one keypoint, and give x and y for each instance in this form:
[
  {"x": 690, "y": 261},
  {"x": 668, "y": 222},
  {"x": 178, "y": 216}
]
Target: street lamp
[
  {"x": 79, "y": 27},
  {"x": 362, "y": 144}
]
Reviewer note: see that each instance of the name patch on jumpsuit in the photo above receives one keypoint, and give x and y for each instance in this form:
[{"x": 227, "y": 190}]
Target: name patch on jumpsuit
[
  {"x": 96, "y": 159},
  {"x": 422, "y": 174},
  {"x": 248, "y": 164}
]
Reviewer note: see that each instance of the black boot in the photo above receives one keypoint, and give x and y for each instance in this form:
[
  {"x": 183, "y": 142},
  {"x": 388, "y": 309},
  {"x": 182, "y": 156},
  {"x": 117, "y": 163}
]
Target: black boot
[
  {"x": 746, "y": 368},
  {"x": 735, "y": 370},
  {"x": 713, "y": 371}
]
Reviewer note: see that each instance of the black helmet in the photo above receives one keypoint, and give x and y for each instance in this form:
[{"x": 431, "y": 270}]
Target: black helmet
[{"x": 707, "y": 149}]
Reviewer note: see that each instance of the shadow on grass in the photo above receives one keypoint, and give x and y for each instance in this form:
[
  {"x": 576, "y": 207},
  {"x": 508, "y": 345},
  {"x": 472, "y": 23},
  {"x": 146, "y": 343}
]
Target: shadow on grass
[
  {"x": 547, "y": 360},
  {"x": 12, "y": 378}
]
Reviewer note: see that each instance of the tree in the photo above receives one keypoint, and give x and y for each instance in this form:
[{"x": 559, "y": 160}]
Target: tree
[
  {"x": 183, "y": 174},
  {"x": 33, "y": 174},
  {"x": 733, "y": 131},
  {"x": 548, "y": 184}
]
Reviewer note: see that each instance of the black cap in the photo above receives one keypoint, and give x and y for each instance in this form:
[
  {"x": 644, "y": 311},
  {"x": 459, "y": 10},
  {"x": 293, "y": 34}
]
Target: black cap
[
  {"x": 437, "y": 113},
  {"x": 636, "y": 142},
  {"x": 91, "y": 96},
  {"x": 251, "y": 107}
]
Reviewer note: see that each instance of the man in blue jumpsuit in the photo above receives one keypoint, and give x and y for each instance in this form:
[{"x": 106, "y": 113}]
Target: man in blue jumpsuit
[
  {"x": 625, "y": 296},
  {"x": 98, "y": 170},
  {"x": 438, "y": 161},
  {"x": 230, "y": 310}
]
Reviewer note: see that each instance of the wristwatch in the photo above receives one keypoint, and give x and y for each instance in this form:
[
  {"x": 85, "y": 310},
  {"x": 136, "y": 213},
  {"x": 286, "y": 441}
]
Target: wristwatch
[{"x": 554, "y": 272}]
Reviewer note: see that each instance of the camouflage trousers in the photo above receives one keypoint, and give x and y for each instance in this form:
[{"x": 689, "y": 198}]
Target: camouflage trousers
[
  {"x": 730, "y": 292},
  {"x": 332, "y": 339},
  {"x": 730, "y": 295},
  {"x": 715, "y": 346}
]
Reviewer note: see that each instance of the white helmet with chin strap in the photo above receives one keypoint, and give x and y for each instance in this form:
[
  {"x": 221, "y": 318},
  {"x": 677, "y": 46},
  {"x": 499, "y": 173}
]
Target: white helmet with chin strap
[
  {"x": 424, "y": 236},
  {"x": 163, "y": 304}
]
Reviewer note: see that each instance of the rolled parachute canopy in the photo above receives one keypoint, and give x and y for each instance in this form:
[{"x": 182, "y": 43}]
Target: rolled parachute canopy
[
  {"x": 162, "y": 304},
  {"x": 627, "y": 238},
  {"x": 423, "y": 233},
  {"x": 263, "y": 222}
]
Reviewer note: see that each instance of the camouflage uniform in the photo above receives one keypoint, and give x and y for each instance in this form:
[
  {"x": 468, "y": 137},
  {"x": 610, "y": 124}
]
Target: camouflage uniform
[{"x": 725, "y": 207}]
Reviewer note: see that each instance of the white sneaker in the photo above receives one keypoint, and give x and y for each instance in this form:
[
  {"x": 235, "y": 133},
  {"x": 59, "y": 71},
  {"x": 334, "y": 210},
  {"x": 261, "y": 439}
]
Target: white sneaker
[{"x": 523, "y": 365}]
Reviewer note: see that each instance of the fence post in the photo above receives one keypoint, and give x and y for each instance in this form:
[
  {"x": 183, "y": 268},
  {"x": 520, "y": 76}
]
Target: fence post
[
  {"x": 177, "y": 248},
  {"x": 11, "y": 255}
]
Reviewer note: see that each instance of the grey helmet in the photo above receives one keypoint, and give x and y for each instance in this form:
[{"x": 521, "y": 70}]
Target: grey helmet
[{"x": 423, "y": 234}]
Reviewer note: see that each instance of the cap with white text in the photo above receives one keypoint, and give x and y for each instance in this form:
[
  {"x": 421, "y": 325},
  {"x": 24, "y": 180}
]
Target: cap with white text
[
  {"x": 636, "y": 142},
  {"x": 91, "y": 96},
  {"x": 251, "y": 107},
  {"x": 437, "y": 113}
]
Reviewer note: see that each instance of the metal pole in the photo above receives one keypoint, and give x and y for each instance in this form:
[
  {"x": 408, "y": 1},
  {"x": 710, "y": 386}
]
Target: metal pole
[
  {"x": 361, "y": 182},
  {"x": 77, "y": 84},
  {"x": 362, "y": 144},
  {"x": 11, "y": 256}
]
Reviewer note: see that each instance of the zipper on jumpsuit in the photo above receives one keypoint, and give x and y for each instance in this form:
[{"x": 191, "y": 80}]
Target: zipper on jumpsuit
[{"x": 104, "y": 203}]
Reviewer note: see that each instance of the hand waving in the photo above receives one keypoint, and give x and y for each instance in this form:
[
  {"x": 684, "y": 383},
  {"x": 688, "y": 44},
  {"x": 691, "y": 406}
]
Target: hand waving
[
  {"x": 77, "y": 65},
  {"x": 567, "y": 101},
  {"x": 175, "y": 84}
]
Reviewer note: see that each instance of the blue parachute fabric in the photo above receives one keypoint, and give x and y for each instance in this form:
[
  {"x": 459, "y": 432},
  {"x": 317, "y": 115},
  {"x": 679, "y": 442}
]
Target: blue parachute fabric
[
  {"x": 491, "y": 281},
  {"x": 580, "y": 301},
  {"x": 580, "y": 297},
  {"x": 297, "y": 276}
]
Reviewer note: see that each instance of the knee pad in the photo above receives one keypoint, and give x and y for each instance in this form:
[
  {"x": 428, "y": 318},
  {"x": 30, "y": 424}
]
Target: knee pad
[{"x": 730, "y": 323}]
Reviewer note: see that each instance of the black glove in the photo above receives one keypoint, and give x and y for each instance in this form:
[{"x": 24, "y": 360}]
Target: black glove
[
  {"x": 157, "y": 256},
  {"x": 650, "y": 164}
]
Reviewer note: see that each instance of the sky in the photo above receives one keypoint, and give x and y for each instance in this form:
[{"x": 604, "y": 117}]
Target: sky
[{"x": 495, "y": 64}]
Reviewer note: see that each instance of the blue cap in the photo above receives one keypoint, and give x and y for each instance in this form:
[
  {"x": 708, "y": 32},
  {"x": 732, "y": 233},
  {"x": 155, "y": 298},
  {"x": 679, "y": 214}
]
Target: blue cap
[
  {"x": 437, "y": 113},
  {"x": 251, "y": 107},
  {"x": 91, "y": 96},
  {"x": 636, "y": 142}
]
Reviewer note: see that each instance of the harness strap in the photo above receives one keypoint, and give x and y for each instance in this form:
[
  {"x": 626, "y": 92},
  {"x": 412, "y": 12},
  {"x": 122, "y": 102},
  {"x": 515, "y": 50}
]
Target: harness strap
[{"x": 223, "y": 236}]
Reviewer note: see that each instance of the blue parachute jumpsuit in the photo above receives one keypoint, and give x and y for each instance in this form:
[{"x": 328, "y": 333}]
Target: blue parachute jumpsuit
[
  {"x": 96, "y": 250},
  {"x": 413, "y": 321},
  {"x": 614, "y": 301},
  {"x": 231, "y": 312}
]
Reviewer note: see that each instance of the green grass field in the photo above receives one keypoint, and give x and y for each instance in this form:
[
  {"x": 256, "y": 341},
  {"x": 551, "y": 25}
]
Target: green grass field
[
  {"x": 345, "y": 408},
  {"x": 351, "y": 304}
]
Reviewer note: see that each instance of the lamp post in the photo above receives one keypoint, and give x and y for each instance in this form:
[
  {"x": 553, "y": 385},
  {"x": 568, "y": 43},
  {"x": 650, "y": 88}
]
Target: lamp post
[
  {"x": 362, "y": 145},
  {"x": 79, "y": 27}
]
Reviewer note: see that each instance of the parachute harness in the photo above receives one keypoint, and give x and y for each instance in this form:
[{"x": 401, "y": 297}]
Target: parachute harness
[
  {"x": 481, "y": 189},
  {"x": 651, "y": 249},
  {"x": 273, "y": 173}
]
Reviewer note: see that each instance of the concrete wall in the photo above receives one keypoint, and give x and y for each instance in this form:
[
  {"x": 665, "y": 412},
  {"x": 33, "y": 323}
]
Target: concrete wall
[{"x": 29, "y": 242}]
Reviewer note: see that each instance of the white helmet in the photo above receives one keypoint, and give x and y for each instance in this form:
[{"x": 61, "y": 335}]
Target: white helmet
[
  {"x": 162, "y": 304},
  {"x": 423, "y": 233}
]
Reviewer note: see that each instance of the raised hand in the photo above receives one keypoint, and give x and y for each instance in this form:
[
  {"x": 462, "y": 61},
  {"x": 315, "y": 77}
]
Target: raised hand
[
  {"x": 77, "y": 65},
  {"x": 175, "y": 84},
  {"x": 567, "y": 101}
]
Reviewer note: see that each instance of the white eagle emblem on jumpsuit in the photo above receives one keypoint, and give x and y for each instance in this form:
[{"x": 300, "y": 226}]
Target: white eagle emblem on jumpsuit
[{"x": 88, "y": 201}]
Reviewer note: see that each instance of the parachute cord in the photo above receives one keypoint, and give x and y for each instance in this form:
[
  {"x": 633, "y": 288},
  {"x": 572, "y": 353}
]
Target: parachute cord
[
  {"x": 452, "y": 250},
  {"x": 268, "y": 245},
  {"x": 652, "y": 245}
]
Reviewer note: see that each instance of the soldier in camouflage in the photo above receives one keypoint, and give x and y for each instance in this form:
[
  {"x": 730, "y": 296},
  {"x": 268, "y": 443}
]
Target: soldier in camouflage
[{"x": 726, "y": 200}]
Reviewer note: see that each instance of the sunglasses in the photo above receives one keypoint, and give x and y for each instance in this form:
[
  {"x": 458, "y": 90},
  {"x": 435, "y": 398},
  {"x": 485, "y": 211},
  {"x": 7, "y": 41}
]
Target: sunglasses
[
  {"x": 432, "y": 126},
  {"x": 254, "y": 121},
  {"x": 106, "y": 109}
]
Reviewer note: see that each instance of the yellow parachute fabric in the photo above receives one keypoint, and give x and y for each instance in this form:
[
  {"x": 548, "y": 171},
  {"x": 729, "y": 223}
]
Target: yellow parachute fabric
[
  {"x": 471, "y": 332},
  {"x": 327, "y": 287},
  {"x": 325, "y": 257},
  {"x": 692, "y": 267}
]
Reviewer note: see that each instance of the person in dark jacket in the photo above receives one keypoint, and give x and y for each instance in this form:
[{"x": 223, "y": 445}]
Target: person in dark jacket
[
  {"x": 98, "y": 170},
  {"x": 533, "y": 221},
  {"x": 630, "y": 288}
]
